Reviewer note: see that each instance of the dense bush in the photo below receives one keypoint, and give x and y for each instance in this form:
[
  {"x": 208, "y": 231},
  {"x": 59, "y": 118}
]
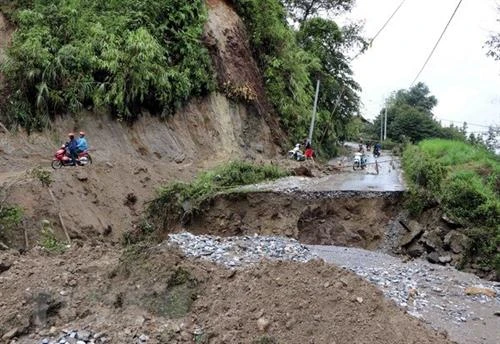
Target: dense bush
[
  {"x": 121, "y": 54},
  {"x": 179, "y": 200},
  {"x": 464, "y": 179},
  {"x": 284, "y": 65},
  {"x": 10, "y": 219}
]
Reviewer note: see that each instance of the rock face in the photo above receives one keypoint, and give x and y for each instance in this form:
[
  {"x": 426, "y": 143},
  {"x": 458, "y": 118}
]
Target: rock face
[
  {"x": 438, "y": 243},
  {"x": 455, "y": 241}
]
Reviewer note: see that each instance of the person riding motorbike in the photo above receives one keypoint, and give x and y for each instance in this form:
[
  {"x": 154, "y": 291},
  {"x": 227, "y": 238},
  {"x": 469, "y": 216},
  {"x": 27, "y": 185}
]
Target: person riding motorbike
[
  {"x": 82, "y": 143},
  {"x": 72, "y": 147}
]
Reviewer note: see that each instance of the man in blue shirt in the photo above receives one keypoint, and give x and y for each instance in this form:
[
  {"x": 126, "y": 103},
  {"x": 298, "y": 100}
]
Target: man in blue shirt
[
  {"x": 82, "y": 143},
  {"x": 72, "y": 146}
]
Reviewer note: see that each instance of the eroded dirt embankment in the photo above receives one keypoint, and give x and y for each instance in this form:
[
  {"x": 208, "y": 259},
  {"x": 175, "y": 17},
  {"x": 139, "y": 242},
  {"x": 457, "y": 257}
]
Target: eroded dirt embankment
[{"x": 325, "y": 218}]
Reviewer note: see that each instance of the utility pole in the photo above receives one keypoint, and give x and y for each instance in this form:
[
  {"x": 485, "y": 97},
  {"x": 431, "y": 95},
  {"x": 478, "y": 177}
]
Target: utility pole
[
  {"x": 385, "y": 124},
  {"x": 311, "y": 128},
  {"x": 381, "y": 128}
]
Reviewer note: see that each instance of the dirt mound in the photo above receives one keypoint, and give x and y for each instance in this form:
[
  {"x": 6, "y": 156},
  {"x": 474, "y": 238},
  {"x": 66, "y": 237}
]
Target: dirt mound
[
  {"x": 128, "y": 160},
  {"x": 170, "y": 299},
  {"x": 346, "y": 220}
]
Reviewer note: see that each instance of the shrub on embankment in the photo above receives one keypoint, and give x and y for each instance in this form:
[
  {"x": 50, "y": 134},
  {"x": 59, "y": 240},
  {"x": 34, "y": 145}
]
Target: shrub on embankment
[
  {"x": 464, "y": 180},
  {"x": 178, "y": 201},
  {"x": 117, "y": 54}
]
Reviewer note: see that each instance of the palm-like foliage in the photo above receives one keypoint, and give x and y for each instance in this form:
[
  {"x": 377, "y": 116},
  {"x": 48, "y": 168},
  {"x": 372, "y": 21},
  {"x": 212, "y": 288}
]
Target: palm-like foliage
[{"x": 122, "y": 54}]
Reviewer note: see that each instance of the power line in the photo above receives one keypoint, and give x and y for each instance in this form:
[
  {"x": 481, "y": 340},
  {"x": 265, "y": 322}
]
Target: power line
[
  {"x": 471, "y": 124},
  {"x": 343, "y": 89},
  {"x": 437, "y": 43},
  {"x": 381, "y": 29}
]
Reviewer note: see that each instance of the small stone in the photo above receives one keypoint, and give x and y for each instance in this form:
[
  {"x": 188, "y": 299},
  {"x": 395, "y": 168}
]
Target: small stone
[
  {"x": 263, "y": 324},
  {"x": 11, "y": 334},
  {"x": 143, "y": 338},
  {"x": 497, "y": 313},
  {"x": 359, "y": 299},
  {"x": 83, "y": 335},
  {"x": 326, "y": 285},
  {"x": 63, "y": 293},
  {"x": 108, "y": 164},
  {"x": 444, "y": 259}
]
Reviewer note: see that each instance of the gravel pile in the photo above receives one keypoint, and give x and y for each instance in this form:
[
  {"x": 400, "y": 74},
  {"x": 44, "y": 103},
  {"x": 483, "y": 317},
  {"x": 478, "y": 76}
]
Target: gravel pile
[
  {"x": 240, "y": 251},
  {"x": 417, "y": 286},
  {"x": 87, "y": 337},
  {"x": 77, "y": 337}
]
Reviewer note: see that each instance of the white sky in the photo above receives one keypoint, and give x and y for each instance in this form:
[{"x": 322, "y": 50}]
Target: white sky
[{"x": 465, "y": 81}]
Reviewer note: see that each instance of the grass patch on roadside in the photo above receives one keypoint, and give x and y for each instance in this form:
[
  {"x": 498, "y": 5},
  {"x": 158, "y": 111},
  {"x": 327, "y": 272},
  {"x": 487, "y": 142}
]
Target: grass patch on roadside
[
  {"x": 180, "y": 201},
  {"x": 465, "y": 181}
]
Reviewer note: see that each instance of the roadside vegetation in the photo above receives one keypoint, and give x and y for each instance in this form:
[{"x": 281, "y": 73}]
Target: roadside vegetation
[
  {"x": 120, "y": 55},
  {"x": 464, "y": 180},
  {"x": 11, "y": 216},
  {"x": 179, "y": 201},
  {"x": 293, "y": 59},
  {"x": 128, "y": 56}
]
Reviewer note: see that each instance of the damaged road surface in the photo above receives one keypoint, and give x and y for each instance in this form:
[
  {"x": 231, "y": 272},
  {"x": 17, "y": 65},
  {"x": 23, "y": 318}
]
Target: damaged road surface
[{"x": 447, "y": 299}]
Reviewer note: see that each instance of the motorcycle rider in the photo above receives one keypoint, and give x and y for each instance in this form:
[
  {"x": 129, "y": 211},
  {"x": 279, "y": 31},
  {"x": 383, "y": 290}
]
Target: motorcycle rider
[
  {"x": 72, "y": 147},
  {"x": 82, "y": 143}
]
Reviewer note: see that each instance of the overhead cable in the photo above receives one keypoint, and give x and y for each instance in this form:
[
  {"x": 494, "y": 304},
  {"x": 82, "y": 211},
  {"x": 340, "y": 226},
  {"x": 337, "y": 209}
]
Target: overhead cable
[{"x": 437, "y": 43}]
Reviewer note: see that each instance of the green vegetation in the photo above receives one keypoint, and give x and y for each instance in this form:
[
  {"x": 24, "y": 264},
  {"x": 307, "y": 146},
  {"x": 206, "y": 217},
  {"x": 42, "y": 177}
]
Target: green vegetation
[
  {"x": 178, "y": 201},
  {"x": 410, "y": 117},
  {"x": 48, "y": 239},
  {"x": 179, "y": 294},
  {"x": 292, "y": 61},
  {"x": 465, "y": 181},
  {"x": 10, "y": 218},
  {"x": 129, "y": 55},
  {"x": 119, "y": 54}
]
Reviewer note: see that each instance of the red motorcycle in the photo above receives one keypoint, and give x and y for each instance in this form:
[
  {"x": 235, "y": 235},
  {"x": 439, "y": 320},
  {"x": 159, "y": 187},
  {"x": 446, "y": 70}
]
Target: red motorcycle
[{"x": 62, "y": 158}]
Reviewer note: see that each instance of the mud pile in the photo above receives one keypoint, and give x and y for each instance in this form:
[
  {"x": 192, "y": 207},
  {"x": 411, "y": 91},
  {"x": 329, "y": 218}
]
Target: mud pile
[{"x": 157, "y": 294}]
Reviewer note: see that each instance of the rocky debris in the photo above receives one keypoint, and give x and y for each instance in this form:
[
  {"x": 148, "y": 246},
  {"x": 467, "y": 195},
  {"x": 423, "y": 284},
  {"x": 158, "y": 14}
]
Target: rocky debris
[
  {"x": 302, "y": 171},
  {"x": 415, "y": 230},
  {"x": 418, "y": 287},
  {"x": 481, "y": 291},
  {"x": 240, "y": 251},
  {"x": 4, "y": 266},
  {"x": 455, "y": 241},
  {"x": 81, "y": 337}
]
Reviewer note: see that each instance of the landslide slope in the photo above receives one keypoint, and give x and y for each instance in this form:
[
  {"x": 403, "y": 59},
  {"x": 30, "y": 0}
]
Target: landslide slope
[{"x": 132, "y": 160}]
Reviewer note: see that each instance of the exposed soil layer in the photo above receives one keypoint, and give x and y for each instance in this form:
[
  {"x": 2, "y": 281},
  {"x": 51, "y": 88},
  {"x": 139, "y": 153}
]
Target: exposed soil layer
[
  {"x": 349, "y": 219},
  {"x": 157, "y": 292}
]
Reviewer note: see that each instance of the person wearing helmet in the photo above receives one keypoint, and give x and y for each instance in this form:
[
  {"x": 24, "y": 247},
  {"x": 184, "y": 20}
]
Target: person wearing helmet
[
  {"x": 72, "y": 146},
  {"x": 82, "y": 143}
]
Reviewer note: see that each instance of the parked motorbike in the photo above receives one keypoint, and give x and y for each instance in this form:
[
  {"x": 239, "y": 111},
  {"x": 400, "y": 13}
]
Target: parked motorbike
[
  {"x": 62, "y": 158},
  {"x": 359, "y": 161},
  {"x": 296, "y": 153}
]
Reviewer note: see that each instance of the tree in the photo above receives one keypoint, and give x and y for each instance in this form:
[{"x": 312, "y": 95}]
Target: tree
[
  {"x": 409, "y": 116},
  {"x": 301, "y": 10},
  {"x": 491, "y": 139},
  {"x": 417, "y": 96},
  {"x": 494, "y": 44},
  {"x": 339, "y": 99}
]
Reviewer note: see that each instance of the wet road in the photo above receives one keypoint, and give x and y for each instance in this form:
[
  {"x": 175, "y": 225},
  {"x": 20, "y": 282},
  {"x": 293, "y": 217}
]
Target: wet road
[{"x": 388, "y": 179}]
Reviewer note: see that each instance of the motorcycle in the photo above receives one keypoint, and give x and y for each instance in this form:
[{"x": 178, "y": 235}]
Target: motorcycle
[
  {"x": 359, "y": 161},
  {"x": 296, "y": 154},
  {"x": 62, "y": 158}
]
